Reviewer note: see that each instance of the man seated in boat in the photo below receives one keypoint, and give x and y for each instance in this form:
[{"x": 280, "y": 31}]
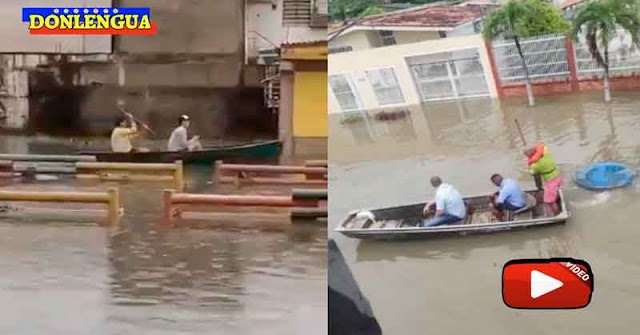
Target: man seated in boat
[
  {"x": 509, "y": 197},
  {"x": 542, "y": 164},
  {"x": 122, "y": 134},
  {"x": 448, "y": 207},
  {"x": 179, "y": 140}
]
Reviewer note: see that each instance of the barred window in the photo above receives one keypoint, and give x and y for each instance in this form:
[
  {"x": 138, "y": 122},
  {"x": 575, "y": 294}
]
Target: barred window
[
  {"x": 385, "y": 86},
  {"x": 344, "y": 92}
]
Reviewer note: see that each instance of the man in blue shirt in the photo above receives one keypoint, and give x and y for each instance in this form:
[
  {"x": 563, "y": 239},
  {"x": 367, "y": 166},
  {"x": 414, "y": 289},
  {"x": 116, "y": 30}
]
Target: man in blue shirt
[
  {"x": 449, "y": 205},
  {"x": 509, "y": 197}
]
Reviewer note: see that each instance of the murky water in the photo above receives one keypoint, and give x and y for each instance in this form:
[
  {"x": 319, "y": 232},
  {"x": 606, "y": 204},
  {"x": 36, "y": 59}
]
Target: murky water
[
  {"x": 453, "y": 285},
  {"x": 197, "y": 278}
]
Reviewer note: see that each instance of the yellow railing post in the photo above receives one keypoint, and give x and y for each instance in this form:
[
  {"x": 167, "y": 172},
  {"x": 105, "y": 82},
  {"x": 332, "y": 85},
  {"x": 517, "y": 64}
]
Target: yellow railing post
[
  {"x": 114, "y": 206},
  {"x": 178, "y": 175}
]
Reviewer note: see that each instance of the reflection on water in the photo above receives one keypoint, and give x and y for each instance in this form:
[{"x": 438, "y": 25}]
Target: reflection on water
[
  {"x": 432, "y": 284},
  {"x": 143, "y": 278}
]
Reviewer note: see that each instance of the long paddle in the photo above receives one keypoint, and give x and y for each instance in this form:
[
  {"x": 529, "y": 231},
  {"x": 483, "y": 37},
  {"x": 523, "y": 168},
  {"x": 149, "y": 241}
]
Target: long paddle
[
  {"x": 144, "y": 125},
  {"x": 524, "y": 142},
  {"x": 536, "y": 178}
]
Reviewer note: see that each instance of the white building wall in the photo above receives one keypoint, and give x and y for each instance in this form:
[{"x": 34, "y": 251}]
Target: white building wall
[
  {"x": 355, "y": 64},
  {"x": 368, "y": 39},
  {"x": 406, "y": 37}
]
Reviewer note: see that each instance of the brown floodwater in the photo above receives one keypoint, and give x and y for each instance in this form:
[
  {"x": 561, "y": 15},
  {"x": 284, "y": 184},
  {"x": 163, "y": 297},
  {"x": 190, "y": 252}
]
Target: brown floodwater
[
  {"x": 452, "y": 285},
  {"x": 201, "y": 277}
]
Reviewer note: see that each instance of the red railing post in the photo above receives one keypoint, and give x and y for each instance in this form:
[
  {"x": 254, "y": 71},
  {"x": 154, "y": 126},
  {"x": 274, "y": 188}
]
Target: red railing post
[
  {"x": 494, "y": 68},
  {"x": 571, "y": 63}
]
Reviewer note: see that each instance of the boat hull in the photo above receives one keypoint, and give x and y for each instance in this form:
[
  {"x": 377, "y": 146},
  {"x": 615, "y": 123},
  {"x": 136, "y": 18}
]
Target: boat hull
[
  {"x": 457, "y": 229},
  {"x": 258, "y": 150}
]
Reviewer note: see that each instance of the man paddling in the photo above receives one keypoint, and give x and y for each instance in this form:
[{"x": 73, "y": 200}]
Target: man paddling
[
  {"x": 542, "y": 164},
  {"x": 509, "y": 197},
  {"x": 449, "y": 205},
  {"x": 179, "y": 140},
  {"x": 122, "y": 134}
]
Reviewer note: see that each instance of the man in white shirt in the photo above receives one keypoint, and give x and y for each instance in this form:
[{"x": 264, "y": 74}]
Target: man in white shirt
[
  {"x": 449, "y": 205},
  {"x": 122, "y": 134},
  {"x": 179, "y": 140}
]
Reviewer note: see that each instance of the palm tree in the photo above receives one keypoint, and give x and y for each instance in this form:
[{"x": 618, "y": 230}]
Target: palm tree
[
  {"x": 518, "y": 19},
  {"x": 503, "y": 22},
  {"x": 599, "y": 21}
]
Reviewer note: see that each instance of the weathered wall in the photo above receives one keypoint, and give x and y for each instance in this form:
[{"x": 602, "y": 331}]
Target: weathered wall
[
  {"x": 194, "y": 65},
  {"x": 188, "y": 26}
]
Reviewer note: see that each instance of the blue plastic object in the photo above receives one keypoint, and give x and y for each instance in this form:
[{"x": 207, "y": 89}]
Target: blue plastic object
[{"x": 604, "y": 176}]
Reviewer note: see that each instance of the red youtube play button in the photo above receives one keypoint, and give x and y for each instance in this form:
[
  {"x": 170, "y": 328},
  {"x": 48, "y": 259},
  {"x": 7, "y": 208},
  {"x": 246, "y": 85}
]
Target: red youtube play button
[{"x": 556, "y": 283}]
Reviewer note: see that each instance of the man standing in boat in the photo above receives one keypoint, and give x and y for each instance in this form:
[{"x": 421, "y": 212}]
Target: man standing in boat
[
  {"x": 509, "y": 197},
  {"x": 179, "y": 140},
  {"x": 542, "y": 164},
  {"x": 449, "y": 205}
]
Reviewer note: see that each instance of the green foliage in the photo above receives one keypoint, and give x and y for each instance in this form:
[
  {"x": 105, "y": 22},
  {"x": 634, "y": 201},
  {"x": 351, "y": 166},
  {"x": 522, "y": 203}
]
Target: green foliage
[
  {"x": 350, "y": 9},
  {"x": 523, "y": 19},
  {"x": 542, "y": 18},
  {"x": 373, "y": 10},
  {"x": 599, "y": 21}
]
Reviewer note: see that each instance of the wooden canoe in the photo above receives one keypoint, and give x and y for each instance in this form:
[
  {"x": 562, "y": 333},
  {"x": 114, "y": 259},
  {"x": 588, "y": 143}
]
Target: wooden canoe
[
  {"x": 401, "y": 222},
  {"x": 256, "y": 150}
]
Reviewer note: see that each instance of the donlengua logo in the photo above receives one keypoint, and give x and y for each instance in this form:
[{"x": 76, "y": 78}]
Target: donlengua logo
[{"x": 89, "y": 21}]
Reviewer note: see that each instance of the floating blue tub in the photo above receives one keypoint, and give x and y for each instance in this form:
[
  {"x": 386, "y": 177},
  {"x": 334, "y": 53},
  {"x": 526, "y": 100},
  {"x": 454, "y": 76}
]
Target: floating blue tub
[{"x": 604, "y": 176}]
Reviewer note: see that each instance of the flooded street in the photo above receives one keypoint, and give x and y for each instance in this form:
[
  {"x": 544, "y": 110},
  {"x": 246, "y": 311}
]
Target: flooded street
[
  {"x": 453, "y": 284},
  {"x": 142, "y": 278}
]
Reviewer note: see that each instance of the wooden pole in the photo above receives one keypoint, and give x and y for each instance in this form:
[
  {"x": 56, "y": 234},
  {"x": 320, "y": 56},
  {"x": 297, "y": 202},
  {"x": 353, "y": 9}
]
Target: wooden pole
[
  {"x": 524, "y": 142},
  {"x": 537, "y": 179},
  {"x": 144, "y": 125}
]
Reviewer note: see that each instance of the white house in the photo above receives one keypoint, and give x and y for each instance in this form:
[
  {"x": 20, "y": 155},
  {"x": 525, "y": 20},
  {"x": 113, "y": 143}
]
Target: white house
[{"x": 417, "y": 24}]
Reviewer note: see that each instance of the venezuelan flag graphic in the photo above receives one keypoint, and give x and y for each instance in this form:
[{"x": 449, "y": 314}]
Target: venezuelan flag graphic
[{"x": 89, "y": 21}]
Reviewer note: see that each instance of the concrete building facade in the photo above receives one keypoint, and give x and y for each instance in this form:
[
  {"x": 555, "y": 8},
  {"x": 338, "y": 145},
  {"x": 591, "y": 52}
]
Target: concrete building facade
[{"x": 195, "y": 64}]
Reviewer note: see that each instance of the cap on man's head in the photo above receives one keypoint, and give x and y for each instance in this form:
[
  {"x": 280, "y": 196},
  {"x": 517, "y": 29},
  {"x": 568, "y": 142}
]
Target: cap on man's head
[{"x": 183, "y": 117}]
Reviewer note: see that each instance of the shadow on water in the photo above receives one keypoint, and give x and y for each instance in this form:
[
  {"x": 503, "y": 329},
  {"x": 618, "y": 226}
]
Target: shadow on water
[{"x": 349, "y": 311}]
